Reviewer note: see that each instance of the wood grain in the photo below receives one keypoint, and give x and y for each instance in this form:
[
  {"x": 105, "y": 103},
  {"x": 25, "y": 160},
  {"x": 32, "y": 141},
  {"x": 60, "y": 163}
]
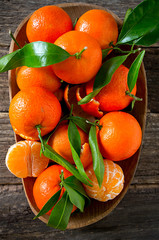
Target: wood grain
[{"x": 137, "y": 216}]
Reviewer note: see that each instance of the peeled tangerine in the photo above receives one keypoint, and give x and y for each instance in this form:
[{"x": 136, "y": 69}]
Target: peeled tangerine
[
  {"x": 23, "y": 159},
  {"x": 112, "y": 185}
]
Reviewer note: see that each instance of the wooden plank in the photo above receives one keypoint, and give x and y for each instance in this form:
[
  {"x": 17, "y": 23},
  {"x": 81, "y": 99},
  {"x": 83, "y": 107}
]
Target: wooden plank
[
  {"x": 148, "y": 168},
  {"x": 135, "y": 218}
]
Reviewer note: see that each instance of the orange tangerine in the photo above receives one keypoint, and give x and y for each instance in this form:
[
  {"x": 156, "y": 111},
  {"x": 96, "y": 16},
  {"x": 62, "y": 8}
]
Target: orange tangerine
[
  {"x": 120, "y": 135},
  {"x": 45, "y": 77},
  {"x": 34, "y": 107},
  {"x": 59, "y": 141},
  {"x": 101, "y": 25},
  {"x": 47, "y": 24},
  {"x": 85, "y": 61},
  {"x": 47, "y": 184}
]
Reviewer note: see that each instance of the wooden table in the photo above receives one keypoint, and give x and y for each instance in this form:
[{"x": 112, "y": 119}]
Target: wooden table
[{"x": 137, "y": 216}]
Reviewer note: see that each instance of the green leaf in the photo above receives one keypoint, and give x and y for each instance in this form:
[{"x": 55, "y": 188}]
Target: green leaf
[
  {"x": 75, "y": 197},
  {"x": 35, "y": 54},
  {"x": 87, "y": 98},
  {"x": 98, "y": 164},
  {"x": 142, "y": 20},
  {"x": 134, "y": 71},
  {"x": 75, "y": 155},
  {"x": 107, "y": 70},
  {"x": 105, "y": 52},
  {"x": 60, "y": 214},
  {"x": 81, "y": 122},
  {"x": 50, "y": 203},
  {"x": 127, "y": 15},
  {"x": 74, "y": 183},
  {"x": 150, "y": 38},
  {"x": 75, "y": 22},
  {"x": 53, "y": 155},
  {"x": 74, "y": 137}
]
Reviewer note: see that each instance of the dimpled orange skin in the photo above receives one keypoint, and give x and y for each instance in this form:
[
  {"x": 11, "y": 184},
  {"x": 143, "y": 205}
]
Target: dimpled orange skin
[
  {"x": 59, "y": 141},
  {"x": 112, "y": 97},
  {"x": 37, "y": 77},
  {"x": 74, "y": 70},
  {"x": 99, "y": 24},
  {"x": 47, "y": 24},
  {"x": 120, "y": 135},
  {"x": 33, "y": 107},
  {"x": 47, "y": 184},
  {"x": 112, "y": 185}
]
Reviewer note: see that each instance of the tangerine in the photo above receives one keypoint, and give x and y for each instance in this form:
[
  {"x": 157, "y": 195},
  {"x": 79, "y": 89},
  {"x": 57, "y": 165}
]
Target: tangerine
[
  {"x": 101, "y": 25},
  {"x": 31, "y": 108},
  {"x": 47, "y": 184},
  {"x": 120, "y": 135},
  {"x": 59, "y": 141},
  {"x": 47, "y": 24},
  {"x": 37, "y": 77},
  {"x": 85, "y": 61},
  {"x": 112, "y": 185},
  {"x": 112, "y": 97},
  {"x": 23, "y": 159}
]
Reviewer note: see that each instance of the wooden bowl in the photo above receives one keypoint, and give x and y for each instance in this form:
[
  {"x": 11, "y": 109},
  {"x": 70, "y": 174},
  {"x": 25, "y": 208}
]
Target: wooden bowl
[{"x": 97, "y": 210}]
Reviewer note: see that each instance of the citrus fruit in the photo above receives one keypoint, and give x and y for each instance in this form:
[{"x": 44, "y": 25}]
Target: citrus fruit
[
  {"x": 120, "y": 135},
  {"x": 47, "y": 24},
  {"x": 37, "y": 77},
  {"x": 112, "y": 97},
  {"x": 112, "y": 185},
  {"x": 23, "y": 159},
  {"x": 85, "y": 61},
  {"x": 99, "y": 24},
  {"x": 47, "y": 184},
  {"x": 31, "y": 108},
  {"x": 59, "y": 141}
]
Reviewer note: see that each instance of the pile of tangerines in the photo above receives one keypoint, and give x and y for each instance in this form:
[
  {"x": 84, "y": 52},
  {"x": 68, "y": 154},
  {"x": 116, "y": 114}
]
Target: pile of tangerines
[{"x": 40, "y": 103}]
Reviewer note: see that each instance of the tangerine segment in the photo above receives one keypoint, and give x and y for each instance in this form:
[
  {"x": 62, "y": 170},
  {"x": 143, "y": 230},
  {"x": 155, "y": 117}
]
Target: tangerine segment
[
  {"x": 113, "y": 182},
  {"x": 47, "y": 24},
  {"x": 101, "y": 25},
  {"x": 91, "y": 107},
  {"x": 47, "y": 184},
  {"x": 78, "y": 70},
  {"x": 33, "y": 107},
  {"x": 59, "y": 141},
  {"x": 120, "y": 136},
  {"x": 23, "y": 159},
  {"x": 37, "y": 77}
]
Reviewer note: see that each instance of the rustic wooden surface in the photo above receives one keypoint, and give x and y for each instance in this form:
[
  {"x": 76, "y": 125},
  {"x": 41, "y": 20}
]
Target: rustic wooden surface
[{"x": 137, "y": 216}]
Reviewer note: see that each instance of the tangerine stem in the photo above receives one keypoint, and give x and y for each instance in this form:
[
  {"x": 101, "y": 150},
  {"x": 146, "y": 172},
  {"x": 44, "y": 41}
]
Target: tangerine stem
[
  {"x": 61, "y": 178},
  {"x": 38, "y": 127},
  {"x": 133, "y": 96},
  {"x": 11, "y": 34},
  {"x": 79, "y": 54}
]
